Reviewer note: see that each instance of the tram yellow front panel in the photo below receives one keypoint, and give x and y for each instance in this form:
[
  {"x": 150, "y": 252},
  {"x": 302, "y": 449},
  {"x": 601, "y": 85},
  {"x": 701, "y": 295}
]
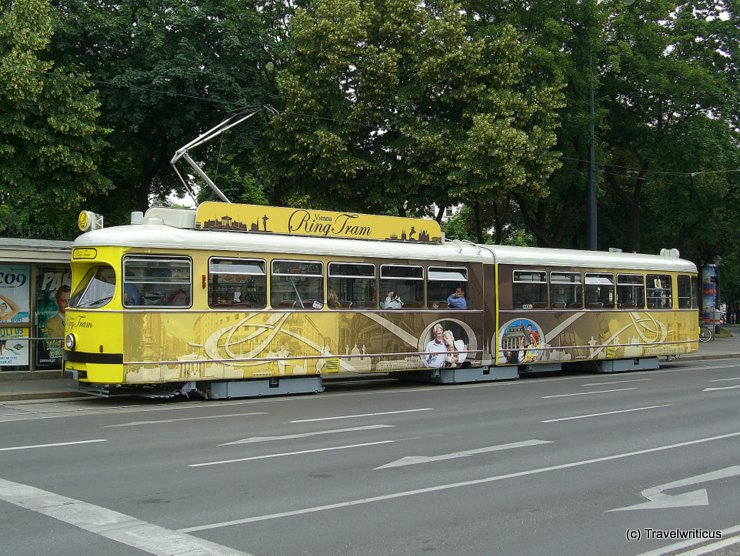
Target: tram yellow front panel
[{"x": 98, "y": 352}]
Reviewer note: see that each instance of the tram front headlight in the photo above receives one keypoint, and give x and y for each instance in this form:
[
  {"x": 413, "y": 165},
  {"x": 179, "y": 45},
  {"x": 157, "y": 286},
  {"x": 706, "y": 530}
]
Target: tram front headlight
[{"x": 70, "y": 341}]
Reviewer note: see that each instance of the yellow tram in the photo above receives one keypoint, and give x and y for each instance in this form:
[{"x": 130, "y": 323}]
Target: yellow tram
[{"x": 237, "y": 300}]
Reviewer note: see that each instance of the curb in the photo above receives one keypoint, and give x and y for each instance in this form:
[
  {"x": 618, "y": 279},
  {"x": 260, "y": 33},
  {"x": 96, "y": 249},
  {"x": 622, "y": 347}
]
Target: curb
[{"x": 46, "y": 396}]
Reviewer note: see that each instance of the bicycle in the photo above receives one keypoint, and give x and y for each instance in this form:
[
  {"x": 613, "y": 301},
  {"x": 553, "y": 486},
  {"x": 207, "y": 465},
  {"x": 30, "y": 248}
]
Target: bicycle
[{"x": 705, "y": 333}]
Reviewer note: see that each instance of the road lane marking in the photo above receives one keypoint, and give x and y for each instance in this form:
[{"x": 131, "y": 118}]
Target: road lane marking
[
  {"x": 253, "y": 439},
  {"x": 53, "y": 445},
  {"x": 449, "y": 486},
  {"x": 414, "y": 460},
  {"x": 715, "y": 389},
  {"x": 724, "y": 379},
  {"x": 609, "y": 382},
  {"x": 362, "y": 415},
  {"x": 201, "y": 418},
  {"x": 588, "y": 393},
  {"x": 605, "y": 413},
  {"x": 672, "y": 548},
  {"x": 285, "y": 454},
  {"x": 107, "y": 523},
  {"x": 726, "y": 541},
  {"x": 660, "y": 500}
]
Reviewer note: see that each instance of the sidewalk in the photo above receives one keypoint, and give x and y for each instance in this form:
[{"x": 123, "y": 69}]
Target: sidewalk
[{"x": 46, "y": 385}]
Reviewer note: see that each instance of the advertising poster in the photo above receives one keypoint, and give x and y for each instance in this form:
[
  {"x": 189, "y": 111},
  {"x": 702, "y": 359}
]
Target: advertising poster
[
  {"x": 52, "y": 298},
  {"x": 15, "y": 301},
  {"x": 13, "y": 346}
]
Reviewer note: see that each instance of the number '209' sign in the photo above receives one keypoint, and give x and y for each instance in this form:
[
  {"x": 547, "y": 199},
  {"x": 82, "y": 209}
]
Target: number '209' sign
[{"x": 13, "y": 279}]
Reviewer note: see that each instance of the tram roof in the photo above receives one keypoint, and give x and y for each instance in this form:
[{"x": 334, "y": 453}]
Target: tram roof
[
  {"x": 158, "y": 236},
  {"x": 537, "y": 256}
]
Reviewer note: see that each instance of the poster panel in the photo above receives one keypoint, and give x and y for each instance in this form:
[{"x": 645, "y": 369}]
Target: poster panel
[
  {"x": 15, "y": 301},
  {"x": 13, "y": 346},
  {"x": 52, "y": 298},
  {"x": 15, "y": 289}
]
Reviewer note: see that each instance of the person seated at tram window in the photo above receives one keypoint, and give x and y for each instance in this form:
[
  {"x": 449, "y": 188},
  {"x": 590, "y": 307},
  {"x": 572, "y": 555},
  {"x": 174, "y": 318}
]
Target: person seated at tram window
[
  {"x": 332, "y": 300},
  {"x": 456, "y": 300},
  {"x": 180, "y": 298},
  {"x": 131, "y": 295},
  {"x": 392, "y": 301},
  {"x": 558, "y": 298}
]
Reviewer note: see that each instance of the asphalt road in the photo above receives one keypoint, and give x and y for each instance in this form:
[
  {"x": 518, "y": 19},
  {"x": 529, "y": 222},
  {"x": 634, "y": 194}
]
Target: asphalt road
[{"x": 622, "y": 464}]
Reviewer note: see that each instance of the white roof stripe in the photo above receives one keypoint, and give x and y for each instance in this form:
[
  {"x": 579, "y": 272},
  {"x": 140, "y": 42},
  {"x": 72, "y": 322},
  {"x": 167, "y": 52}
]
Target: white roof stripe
[{"x": 153, "y": 236}]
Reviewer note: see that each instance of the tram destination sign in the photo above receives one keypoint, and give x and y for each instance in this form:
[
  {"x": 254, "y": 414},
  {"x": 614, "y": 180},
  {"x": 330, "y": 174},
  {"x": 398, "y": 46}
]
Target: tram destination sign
[{"x": 316, "y": 223}]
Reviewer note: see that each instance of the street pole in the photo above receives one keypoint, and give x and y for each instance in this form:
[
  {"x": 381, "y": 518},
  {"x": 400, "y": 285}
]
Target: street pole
[
  {"x": 718, "y": 303},
  {"x": 592, "y": 239}
]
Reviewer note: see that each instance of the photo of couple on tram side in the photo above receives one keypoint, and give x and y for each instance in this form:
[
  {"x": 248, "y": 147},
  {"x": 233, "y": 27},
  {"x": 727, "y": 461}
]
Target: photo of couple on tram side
[{"x": 443, "y": 350}]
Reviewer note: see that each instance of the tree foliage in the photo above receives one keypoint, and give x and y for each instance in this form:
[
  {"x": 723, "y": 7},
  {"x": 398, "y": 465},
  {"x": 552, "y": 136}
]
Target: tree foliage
[
  {"x": 50, "y": 138},
  {"x": 671, "y": 98},
  {"x": 167, "y": 70},
  {"x": 661, "y": 71},
  {"x": 391, "y": 105}
]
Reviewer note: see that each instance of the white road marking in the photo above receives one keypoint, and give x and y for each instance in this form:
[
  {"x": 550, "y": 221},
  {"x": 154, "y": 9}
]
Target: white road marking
[
  {"x": 672, "y": 548},
  {"x": 414, "y": 460},
  {"x": 724, "y": 379},
  {"x": 253, "y": 439},
  {"x": 284, "y": 454},
  {"x": 608, "y": 382},
  {"x": 606, "y": 413},
  {"x": 735, "y": 387},
  {"x": 450, "y": 486},
  {"x": 588, "y": 393},
  {"x": 107, "y": 523},
  {"x": 201, "y": 418},
  {"x": 362, "y": 415},
  {"x": 55, "y": 444},
  {"x": 660, "y": 500},
  {"x": 726, "y": 541}
]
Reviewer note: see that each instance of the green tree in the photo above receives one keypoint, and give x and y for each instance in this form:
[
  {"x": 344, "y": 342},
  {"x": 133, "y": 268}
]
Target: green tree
[
  {"x": 556, "y": 38},
  {"x": 167, "y": 70},
  {"x": 392, "y": 105},
  {"x": 671, "y": 99},
  {"x": 661, "y": 71},
  {"x": 50, "y": 139}
]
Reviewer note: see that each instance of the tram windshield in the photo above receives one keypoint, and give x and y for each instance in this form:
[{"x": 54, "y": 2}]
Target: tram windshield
[{"x": 96, "y": 289}]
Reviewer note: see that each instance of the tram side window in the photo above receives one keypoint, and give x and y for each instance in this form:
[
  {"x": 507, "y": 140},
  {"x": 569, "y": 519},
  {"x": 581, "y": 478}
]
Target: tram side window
[
  {"x": 441, "y": 282},
  {"x": 694, "y": 292},
  {"x": 237, "y": 283},
  {"x": 95, "y": 290},
  {"x": 659, "y": 291},
  {"x": 630, "y": 291},
  {"x": 599, "y": 291},
  {"x": 297, "y": 285},
  {"x": 529, "y": 290},
  {"x": 686, "y": 295},
  {"x": 351, "y": 286},
  {"x": 406, "y": 281},
  {"x": 161, "y": 282},
  {"x": 566, "y": 290}
]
